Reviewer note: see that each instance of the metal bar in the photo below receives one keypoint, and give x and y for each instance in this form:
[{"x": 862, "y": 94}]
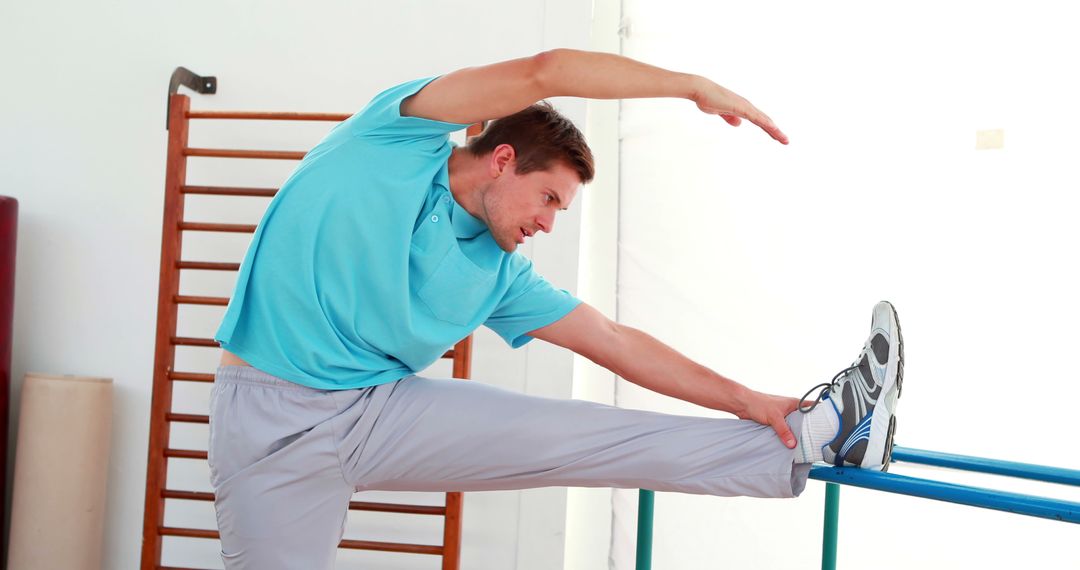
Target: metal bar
[
  {"x": 991, "y": 466},
  {"x": 164, "y": 350},
  {"x": 230, "y": 191},
  {"x": 209, "y": 265},
  {"x": 211, "y": 227},
  {"x": 191, "y": 80},
  {"x": 391, "y": 547},
  {"x": 267, "y": 116},
  {"x": 225, "y": 153},
  {"x": 1042, "y": 507},
  {"x": 832, "y": 516},
  {"x": 646, "y": 506}
]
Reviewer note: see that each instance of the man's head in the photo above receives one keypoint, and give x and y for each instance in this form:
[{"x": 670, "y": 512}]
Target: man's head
[{"x": 534, "y": 162}]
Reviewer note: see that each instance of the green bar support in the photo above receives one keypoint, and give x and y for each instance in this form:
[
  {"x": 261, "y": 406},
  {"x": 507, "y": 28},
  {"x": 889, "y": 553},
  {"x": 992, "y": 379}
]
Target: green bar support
[
  {"x": 646, "y": 502},
  {"x": 832, "y": 515}
]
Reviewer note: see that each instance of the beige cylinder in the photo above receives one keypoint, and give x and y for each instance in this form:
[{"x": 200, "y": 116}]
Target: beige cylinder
[{"x": 61, "y": 467}]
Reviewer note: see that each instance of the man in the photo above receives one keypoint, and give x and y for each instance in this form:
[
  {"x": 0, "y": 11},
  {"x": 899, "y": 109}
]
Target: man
[{"x": 389, "y": 243}]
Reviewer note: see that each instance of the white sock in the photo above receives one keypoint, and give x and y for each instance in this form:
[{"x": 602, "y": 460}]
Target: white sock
[{"x": 819, "y": 427}]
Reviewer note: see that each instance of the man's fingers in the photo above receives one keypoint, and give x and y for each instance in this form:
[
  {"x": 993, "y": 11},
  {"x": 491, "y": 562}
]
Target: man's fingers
[
  {"x": 732, "y": 120},
  {"x": 762, "y": 120},
  {"x": 784, "y": 432}
]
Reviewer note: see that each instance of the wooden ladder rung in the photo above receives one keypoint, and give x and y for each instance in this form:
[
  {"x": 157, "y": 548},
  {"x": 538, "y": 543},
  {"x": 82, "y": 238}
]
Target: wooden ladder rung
[
  {"x": 187, "y": 418},
  {"x": 229, "y": 191},
  {"x": 187, "y": 495},
  {"x": 211, "y": 265},
  {"x": 391, "y": 547},
  {"x": 188, "y": 532},
  {"x": 193, "y": 300},
  {"x": 189, "y": 341},
  {"x": 210, "y": 227},
  {"x": 268, "y": 115},
  {"x": 397, "y": 508},
  {"x": 351, "y": 544},
  {"x": 353, "y": 505},
  {"x": 185, "y": 453},
  {"x": 191, "y": 376},
  {"x": 229, "y": 153}
]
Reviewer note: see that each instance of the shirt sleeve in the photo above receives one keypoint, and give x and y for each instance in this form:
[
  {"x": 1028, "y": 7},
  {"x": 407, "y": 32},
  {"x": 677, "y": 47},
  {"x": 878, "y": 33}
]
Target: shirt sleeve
[
  {"x": 529, "y": 304},
  {"x": 381, "y": 119}
]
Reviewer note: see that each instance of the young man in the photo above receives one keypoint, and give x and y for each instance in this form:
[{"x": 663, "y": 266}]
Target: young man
[{"x": 389, "y": 243}]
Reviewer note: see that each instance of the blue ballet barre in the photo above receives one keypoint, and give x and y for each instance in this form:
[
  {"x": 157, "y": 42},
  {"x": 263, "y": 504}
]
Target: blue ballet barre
[{"x": 1031, "y": 505}]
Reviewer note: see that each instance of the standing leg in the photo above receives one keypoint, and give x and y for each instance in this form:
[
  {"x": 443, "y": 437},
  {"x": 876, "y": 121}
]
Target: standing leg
[{"x": 280, "y": 497}]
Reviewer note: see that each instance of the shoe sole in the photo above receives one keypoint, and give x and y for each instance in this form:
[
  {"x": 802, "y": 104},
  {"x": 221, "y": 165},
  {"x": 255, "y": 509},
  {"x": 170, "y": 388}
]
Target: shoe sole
[{"x": 883, "y": 423}]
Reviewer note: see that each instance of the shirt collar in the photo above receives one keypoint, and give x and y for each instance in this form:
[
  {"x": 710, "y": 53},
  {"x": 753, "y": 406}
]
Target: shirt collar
[{"x": 465, "y": 225}]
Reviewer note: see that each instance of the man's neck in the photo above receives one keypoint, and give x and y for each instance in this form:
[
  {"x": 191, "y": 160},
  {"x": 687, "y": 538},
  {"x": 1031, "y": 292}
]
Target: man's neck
[{"x": 466, "y": 176}]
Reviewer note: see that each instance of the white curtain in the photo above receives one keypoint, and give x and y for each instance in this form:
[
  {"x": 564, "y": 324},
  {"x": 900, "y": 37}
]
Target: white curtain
[{"x": 762, "y": 261}]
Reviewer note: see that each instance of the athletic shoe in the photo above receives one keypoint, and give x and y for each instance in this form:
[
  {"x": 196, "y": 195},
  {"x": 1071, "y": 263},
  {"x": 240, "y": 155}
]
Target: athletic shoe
[{"x": 864, "y": 397}]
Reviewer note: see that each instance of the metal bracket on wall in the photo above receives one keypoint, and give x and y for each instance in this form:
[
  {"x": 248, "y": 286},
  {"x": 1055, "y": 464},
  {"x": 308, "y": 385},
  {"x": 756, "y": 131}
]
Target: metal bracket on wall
[{"x": 184, "y": 76}]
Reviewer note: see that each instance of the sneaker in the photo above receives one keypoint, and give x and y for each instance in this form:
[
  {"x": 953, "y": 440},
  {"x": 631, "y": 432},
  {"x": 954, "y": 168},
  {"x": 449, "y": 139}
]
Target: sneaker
[{"x": 864, "y": 397}]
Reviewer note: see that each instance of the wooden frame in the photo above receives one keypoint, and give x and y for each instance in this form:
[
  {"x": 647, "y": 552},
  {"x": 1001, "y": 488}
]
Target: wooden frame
[{"x": 165, "y": 375}]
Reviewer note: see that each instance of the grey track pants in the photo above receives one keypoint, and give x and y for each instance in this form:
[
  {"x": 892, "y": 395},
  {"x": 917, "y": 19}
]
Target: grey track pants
[{"x": 286, "y": 459}]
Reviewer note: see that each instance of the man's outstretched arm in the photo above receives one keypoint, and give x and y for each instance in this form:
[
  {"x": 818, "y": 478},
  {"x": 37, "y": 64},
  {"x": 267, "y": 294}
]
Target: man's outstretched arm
[
  {"x": 649, "y": 363},
  {"x": 476, "y": 94}
]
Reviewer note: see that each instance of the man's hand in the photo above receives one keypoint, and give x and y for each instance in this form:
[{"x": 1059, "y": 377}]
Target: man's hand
[
  {"x": 770, "y": 410},
  {"x": 716, "y": 100}
]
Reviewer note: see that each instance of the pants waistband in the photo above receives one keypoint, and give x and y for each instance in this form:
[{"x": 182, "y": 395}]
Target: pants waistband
[{"x": 251, "y": 375}]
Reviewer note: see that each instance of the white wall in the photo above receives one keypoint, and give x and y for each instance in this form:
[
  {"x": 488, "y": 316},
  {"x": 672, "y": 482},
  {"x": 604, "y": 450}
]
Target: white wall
[
  {"x": 763, "y": 261},
  {"x": 83, "y": 109}
]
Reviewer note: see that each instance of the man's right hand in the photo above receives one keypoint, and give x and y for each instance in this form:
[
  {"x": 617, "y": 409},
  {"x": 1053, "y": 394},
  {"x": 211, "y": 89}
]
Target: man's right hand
[{"x": 716, "y": 100}]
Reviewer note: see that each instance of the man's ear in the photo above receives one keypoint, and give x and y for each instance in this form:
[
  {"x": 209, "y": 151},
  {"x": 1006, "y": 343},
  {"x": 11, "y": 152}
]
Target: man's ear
[{"x": 502, "y": 160}]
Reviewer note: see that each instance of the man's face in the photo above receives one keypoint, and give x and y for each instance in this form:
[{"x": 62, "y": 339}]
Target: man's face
[{"x": 517, "y": 206}]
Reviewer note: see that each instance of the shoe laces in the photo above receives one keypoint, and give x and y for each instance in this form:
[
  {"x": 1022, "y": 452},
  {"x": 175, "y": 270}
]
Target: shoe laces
[{"x": 826, "y": 389}]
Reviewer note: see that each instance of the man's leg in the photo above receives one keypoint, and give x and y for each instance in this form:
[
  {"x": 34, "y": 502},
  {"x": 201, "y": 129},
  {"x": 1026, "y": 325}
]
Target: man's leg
[
  {"x": 280, "y": 497},
  {"x": 453, "y": 435}
]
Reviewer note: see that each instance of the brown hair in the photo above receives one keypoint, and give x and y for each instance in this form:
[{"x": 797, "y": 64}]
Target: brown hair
[{"x": 540, "y": 135}]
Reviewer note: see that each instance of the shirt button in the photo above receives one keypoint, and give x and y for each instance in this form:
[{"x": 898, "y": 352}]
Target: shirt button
[{"x": 434, "y": 218}]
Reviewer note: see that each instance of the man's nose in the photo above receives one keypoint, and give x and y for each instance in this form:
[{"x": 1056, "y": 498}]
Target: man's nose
[{"x": 546, "y": 223}]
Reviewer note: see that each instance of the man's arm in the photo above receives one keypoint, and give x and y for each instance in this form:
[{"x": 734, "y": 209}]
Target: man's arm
[
  {"x": 649, "y": 363},
  {"x": 476, "y": 94}
]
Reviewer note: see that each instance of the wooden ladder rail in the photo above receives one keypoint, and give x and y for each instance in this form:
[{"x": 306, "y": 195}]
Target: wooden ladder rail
[{"x": 166, "y": 341}]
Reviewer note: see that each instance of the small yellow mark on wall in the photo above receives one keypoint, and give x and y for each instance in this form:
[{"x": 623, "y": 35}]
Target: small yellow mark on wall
[{"x": 994, "y": 138}]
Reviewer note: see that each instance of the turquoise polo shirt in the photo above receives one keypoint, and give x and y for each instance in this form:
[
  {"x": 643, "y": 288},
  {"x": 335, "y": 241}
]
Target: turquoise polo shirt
[{"x": 364, "y": 269}]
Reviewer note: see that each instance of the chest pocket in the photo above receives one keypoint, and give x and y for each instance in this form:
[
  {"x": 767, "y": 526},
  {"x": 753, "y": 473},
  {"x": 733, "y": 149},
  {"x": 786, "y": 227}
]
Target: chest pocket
[{"x": 456, "y": 289}]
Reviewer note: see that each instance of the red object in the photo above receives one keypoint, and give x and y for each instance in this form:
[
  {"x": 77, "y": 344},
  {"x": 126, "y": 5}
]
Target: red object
[{"x": 9, "y": 216}]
